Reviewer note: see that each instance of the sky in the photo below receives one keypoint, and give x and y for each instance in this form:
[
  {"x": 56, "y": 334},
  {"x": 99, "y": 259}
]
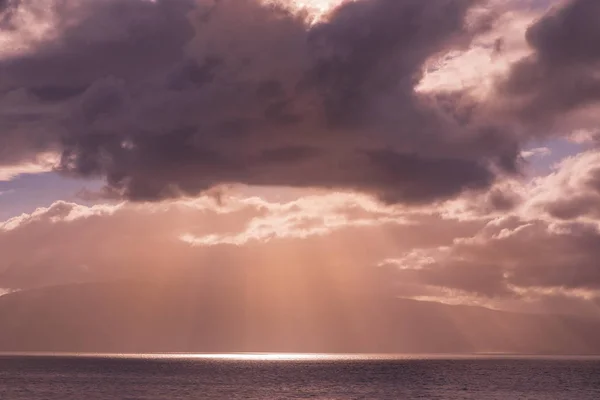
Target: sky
[{"x": 451, "y": 145}]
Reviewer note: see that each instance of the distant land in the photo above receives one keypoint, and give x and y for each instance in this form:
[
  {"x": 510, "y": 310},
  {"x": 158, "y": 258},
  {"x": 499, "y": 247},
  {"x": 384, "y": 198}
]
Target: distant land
[{"x": 145, "y": 317}]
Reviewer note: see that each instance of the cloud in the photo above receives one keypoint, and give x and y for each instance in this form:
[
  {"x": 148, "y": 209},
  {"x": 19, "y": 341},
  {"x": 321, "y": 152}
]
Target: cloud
[
  {"x": 42, "y": 163},
  {"x": 308, "y": 216},
  {"x": 535, "y": 69},
  {"x": 544, "y": 249},
  {"x": 489, "y": 57},
  {"x": 571, "y": 191},
  {"x": 559, "y": 77},
  {"x": 583, "y": 136},
  {"x": 171, "y": 98},
  {"x": 536, "y": 152},
  {"x": 507, "y": 248},
  {"x": 511, "y": 257},
  {"x": 186, "y": 237}
]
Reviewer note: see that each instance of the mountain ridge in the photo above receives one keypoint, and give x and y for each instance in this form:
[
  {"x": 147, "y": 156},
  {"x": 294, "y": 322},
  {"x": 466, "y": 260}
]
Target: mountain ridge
[{"x": 153, "y": 317}]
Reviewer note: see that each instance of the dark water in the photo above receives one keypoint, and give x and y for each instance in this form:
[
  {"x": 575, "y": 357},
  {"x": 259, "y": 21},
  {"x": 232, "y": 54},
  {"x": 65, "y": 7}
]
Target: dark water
[{"x": 320, "y": 377}]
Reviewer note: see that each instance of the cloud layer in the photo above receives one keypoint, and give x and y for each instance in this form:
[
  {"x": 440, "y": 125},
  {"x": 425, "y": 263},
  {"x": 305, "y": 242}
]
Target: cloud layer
[
  {"x": 170, "y": 98},
  {"x": 539, "y": 254}
]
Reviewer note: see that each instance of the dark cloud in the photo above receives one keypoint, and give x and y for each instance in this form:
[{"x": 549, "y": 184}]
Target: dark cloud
[
  {"x": 370, "y": 50},
  {"x": 171, "y": 98},
  {"x": 7, "y": 9},
  {"x": 405, "y": 173},
  {"x": 93, "y": 40},
  {"x": 498, "y": 200},
  {"x": 561, "y": 74}
]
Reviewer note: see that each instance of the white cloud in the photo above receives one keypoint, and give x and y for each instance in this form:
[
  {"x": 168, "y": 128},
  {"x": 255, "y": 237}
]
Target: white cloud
[
  {"x": 477, "y": 68},
  {"x": 584, "y": 136},
  {"x": 305, "y": 217},
  {"x": 42, "y": 163},
  {"x": 536, "y": 152}
]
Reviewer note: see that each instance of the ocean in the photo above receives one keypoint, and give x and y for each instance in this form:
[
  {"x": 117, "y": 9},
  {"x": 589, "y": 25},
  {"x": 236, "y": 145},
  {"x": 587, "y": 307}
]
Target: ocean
[{"x": 196, "y": 377}]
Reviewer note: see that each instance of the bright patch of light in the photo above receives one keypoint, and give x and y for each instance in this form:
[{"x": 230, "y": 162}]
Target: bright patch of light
[
  {"x": 317, "y": 9},
  {"x": 305, "y": 217},
  {"x": 262, "y": 356},
  {"x": 28, "y": 27},
  {"x": 531, "y": 293},
  {"x": 44, "y": 162},
  {"x": 478, "y": 68},
  {"x": 536, "y": 152}
]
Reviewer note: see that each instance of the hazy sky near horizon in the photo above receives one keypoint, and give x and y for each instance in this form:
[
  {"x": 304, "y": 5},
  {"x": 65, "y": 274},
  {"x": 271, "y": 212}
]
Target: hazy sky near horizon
[{"x": 451, "y": 144}]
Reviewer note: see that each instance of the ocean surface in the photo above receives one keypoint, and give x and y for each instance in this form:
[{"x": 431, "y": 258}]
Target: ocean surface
[{"x": 176, "y": 377}]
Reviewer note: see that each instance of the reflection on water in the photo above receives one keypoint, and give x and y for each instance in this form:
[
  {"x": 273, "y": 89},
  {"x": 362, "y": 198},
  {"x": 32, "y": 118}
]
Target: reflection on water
[{"x": 302, "y": 356}]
